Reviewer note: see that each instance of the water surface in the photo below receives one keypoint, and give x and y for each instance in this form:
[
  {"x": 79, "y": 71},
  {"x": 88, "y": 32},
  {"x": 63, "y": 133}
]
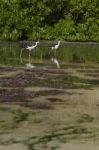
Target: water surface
[{"x": 67, "y": 52}]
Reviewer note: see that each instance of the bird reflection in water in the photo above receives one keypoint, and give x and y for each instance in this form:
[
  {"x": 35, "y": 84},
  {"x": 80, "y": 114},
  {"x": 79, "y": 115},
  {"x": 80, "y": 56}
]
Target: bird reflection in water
[
  {"x": 53, "y": 57},
  {"x": 55, "y": 61}
]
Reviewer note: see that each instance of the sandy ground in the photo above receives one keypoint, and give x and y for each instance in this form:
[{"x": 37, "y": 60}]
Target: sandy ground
[
  {"x": 70, "y": 123},
  {"x": 79, "y": 146},
  {"x": 13, "y": 147}
]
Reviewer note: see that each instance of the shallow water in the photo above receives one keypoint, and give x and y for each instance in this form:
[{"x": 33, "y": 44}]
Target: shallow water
[{"x": 10, "y": 52}]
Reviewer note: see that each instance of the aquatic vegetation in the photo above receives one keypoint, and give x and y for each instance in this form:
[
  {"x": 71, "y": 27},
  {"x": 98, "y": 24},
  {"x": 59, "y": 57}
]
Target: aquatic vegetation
[
  {"x": 19, "y": 116},
  {"x": 85, "y": 118},
  {"x": 52, "y": 99},
  {"x": 4, "y": 109},
  {"x": 16, "y": 116},
  {"x": 62, "y": 137}
]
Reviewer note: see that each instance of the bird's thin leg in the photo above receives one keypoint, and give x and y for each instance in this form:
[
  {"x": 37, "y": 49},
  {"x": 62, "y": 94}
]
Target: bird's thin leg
[
  {"x": 41, "y": 57},
  {"x": 29, "y": 57},
  {"x": 21, "y": 55},
  {"x": 35, "y": 52},
  {"x": 55, "y": 53},
  {"x": 50, "y": 52}
]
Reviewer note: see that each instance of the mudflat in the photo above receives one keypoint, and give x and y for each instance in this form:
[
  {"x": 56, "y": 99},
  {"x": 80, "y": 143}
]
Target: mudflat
[{"x": 49, "y": 109}]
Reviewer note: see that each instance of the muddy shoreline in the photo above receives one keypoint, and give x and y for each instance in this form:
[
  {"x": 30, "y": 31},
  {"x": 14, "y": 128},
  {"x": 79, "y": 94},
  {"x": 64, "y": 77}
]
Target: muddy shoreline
[
  {"x": 14, "y": 81},
  {"x": 51, "y": 109}
]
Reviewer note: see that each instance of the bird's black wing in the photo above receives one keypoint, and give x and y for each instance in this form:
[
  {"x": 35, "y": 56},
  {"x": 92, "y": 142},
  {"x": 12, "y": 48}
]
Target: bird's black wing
[
  {"x": 23, "y": 44},
  {"x": 52, "y": 45}
]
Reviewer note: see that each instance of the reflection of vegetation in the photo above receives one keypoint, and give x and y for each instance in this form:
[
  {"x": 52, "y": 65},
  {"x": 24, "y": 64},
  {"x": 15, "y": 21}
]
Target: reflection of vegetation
[
  {"x": 69, "y": 52},
  {"x": 65, "y": 81},
  {"x": 9, "y": 74}
]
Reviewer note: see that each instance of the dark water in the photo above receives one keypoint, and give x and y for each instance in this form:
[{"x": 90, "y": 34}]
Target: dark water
[{"x": 67, "y": 52}]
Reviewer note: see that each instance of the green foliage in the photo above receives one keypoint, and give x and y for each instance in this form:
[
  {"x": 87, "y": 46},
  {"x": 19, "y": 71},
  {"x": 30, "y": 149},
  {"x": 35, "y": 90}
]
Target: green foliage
[{"x": 74, "y": 20}]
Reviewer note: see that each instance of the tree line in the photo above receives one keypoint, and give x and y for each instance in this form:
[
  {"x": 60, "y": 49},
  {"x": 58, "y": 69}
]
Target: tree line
[{"x": 72, "y": 20}]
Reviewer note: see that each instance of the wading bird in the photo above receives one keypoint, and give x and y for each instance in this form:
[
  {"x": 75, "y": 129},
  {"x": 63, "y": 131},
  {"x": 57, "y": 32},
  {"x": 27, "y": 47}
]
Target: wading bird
[
  {"x": 54, "y": 48},
  {"x": 29, "y": 48}
]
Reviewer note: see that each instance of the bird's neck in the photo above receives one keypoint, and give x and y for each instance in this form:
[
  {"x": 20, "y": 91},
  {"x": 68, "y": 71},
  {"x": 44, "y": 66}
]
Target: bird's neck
[
  {"x": 59, "y": 43},
  {"x": 36, "y": 43}
]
